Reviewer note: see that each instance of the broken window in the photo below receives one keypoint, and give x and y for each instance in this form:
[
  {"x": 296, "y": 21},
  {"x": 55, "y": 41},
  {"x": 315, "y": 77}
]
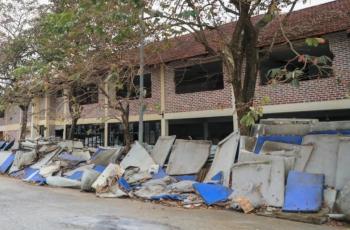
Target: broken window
[
  {"x": 151, "y": 132},
  {"x": 135, "y": 88},
  {"x": 87, "y": 94},
  {"x": 201, "y": 77},
  {"x": 92, "y": 135},
  {"x": 284, "y": 58}
]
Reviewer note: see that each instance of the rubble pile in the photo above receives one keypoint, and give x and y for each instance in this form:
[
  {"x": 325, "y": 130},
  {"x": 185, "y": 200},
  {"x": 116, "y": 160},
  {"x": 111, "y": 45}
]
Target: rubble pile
[{"x": 286, "y": 166}]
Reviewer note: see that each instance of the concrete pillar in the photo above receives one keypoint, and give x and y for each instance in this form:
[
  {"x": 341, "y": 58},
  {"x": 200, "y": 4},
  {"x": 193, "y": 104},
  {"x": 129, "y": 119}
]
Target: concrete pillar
[
  {"x": 164, "y": 123},
  {"x": 164, "y": 127},
  {"x": 65, "y": 113},
  {"x": 106, "y": 108}
]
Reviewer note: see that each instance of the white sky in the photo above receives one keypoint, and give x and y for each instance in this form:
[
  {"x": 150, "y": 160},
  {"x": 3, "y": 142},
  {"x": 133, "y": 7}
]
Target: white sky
[{"x": 309, "y": 3}]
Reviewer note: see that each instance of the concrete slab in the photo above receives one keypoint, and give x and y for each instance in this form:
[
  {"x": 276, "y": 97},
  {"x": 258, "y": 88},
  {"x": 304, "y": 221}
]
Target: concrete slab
[
  {"x": 250, "y": 180},
  {"x": 274, "y": 192},
  {"x": 301, "y": 153},
  {"x": 112, "y": 170},
  {"x": 46, "y": 160},
  {"x": 323, "y": 159},
  {"x": 162, "y": 149},
  {"x": 188, "y": 157},
  {"x": 137, "y": 157},
  {"x": 247, "y": 143},
  {"x": 224, "y": 158},
  {"x": 343, "y": 169}
]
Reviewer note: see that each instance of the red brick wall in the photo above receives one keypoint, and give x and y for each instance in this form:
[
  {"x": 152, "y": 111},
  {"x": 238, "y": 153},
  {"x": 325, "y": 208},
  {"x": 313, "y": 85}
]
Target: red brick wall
[
  {"x": 152, "y": 103},
  {"x": 332, "y": 88},
  {"x": 198, "y": 101}
]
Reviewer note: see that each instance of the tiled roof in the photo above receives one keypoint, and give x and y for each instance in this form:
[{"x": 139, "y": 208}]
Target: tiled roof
[{"x": 313, "y": 21}]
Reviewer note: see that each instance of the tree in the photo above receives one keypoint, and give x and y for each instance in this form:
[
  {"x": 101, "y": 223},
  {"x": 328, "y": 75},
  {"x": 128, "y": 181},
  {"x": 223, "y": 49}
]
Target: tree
[
  {"x": 93, "y": 42},
  {"x": 19, "y": 72},
  {"x": 235, "y": 43}
]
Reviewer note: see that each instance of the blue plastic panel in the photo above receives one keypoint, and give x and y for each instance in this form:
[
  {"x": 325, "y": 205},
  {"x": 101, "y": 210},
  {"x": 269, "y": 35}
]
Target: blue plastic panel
[
  {"x": 288, "y": 139},
  {"x": 212, "y": 193},
  {"x": 7, "y": 163},
  {"x": 76, "y": 175},
  {"x": 304, "y": 192}
]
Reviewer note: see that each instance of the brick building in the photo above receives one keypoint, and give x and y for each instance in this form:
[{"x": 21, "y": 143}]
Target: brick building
[{"x": 183, "y": 100}]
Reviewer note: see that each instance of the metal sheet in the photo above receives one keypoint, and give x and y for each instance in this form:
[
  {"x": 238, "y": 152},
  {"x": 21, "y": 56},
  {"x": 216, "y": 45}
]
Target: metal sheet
[
  {"x": 162, "y": 149},
  {"x": 137, "y": 157},
  {"x": 323, "y": 159},
  {"x": 224, "y": 158},
  {"x": 301, "y": 153},
  {"x": 343, "y": 169},
  {"x": 304, "y": 192},
  {"x": 188, "y": 157}
]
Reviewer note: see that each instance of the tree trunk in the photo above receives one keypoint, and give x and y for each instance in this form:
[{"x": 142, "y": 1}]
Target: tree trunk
[
  {"x": 24, "y": 121},
  {"x": 72, "y": 128},
  {"x": 126, "y": 126}
]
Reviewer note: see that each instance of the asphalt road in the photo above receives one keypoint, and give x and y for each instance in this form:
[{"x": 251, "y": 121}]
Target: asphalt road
[{"x": 30, "y": 207}]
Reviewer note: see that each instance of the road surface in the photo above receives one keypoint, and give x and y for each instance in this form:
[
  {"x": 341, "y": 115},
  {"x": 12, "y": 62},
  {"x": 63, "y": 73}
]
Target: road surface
[{"x": 29, "y": 207}]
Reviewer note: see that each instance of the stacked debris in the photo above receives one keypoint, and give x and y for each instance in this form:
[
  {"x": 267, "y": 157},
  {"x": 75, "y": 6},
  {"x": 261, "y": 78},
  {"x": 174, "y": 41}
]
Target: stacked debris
[{"x": 286, "y": 167}]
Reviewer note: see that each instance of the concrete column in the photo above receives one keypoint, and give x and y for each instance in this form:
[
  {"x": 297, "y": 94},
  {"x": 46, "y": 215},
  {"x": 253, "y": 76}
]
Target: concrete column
[
  {"x": 106, "y": 108},
  {"x": 47, "y": 116},
  {"x": 164, "y": 127},
  {"x": 65, "y": 113},
  {"x": 164, "y": 123}
]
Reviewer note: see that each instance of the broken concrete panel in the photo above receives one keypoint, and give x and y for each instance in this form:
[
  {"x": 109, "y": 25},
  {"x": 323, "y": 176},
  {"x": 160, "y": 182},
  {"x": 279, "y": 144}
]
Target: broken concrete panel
[
  {"x": 137, "y": 157},
  {"x": 88, "y": 178},
  {"x": 323, "y": 159},
  {"x": 58, "y": 181},
  {"x": 343, "y": 169},
  {"x": 250, "y": 178},
  {"x": 113, "y": 192},
  {"x": 104, "y": 156},
  {"x": 4, "y": 155},
  {"x": 137, "y": 177},
  {"x": 275, "y": 187},
  {"x": 84, "y": 155},
  {"x": 301, "y": 153},
  {"x": 224, "y": 158},
  {"x": 162, "y": 149},
  {"x": 188, "y": 157},
  {"x": 22, "y": 159},
  {"x": 70, "y": 145},
  {"x": 6, "y": 160},
  {"x": 112, "y": 171},
  {"x": 46, "y": 160},
  {"x": 48, "y": 170},
  {"x": 287, "y": 121},
  {"x": 301, "y": 129},
  {"x": 28, "y": 144},
  {"x": 329, "y": 197},
  {"x": 289, "y": 139},
  {"x": 79, "y": 169},
  {"x": 151, "y": 190},
  {"x": 185, "y": 186},
  {"x": 343, "y": 201},
  {"x": 247, "y": 143}
]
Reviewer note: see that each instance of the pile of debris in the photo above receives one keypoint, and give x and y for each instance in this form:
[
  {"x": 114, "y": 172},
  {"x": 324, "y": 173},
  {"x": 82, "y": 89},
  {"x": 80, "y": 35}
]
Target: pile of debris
[{"x": 286, "y": 166}]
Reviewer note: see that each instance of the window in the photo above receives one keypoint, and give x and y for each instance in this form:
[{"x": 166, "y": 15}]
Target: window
[
  {"x": 197, "y": 78},
  {"x": 92, "y": 135},
  {"x": 134, "y": 93},
  {"x": 2, "y": 114},
  {"x": 280, "y": 56},
  {"x": 42, "y": 130},
  {"x": 59, "y": 93},
  {"x": 87, "y": 94}
]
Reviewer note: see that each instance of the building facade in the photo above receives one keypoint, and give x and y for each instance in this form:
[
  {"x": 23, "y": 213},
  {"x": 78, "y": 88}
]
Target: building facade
[{"x": 188, "y": 94}]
